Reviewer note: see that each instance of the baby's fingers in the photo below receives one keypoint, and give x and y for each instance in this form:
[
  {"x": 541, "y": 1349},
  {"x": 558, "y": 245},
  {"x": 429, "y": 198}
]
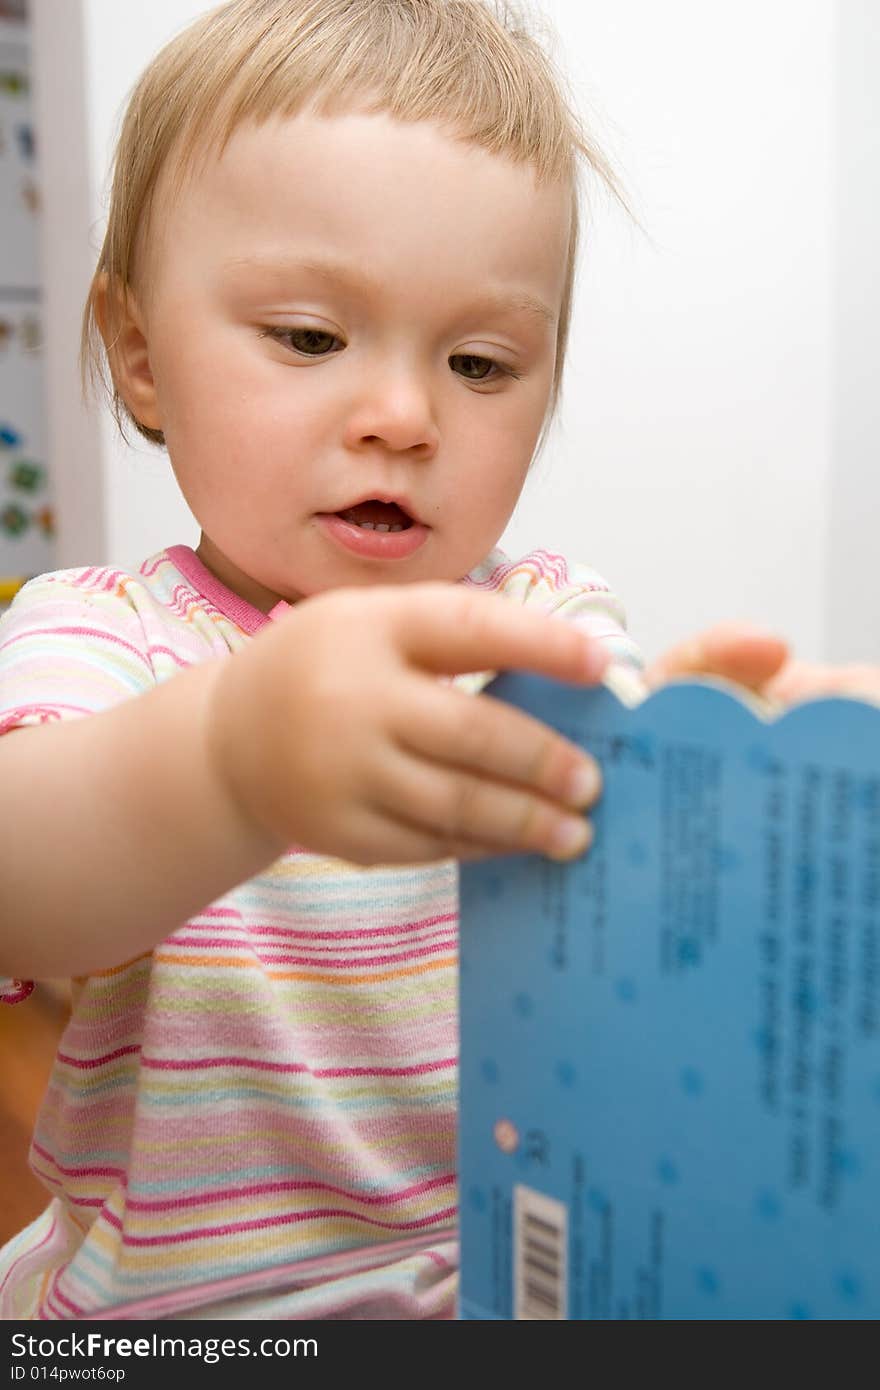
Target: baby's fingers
[
  {"x": 488, "y": 739},
  {"x": 738, "y": 651},
  {"x": 465, "y": 815},
  {"x": 803, "y": 680},
  {"x": 448, "y": 629}
]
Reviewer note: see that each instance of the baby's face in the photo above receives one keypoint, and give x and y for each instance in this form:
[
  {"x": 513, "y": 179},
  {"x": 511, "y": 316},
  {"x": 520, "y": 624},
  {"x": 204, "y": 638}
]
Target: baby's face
[{"x": 351, "y": 325}]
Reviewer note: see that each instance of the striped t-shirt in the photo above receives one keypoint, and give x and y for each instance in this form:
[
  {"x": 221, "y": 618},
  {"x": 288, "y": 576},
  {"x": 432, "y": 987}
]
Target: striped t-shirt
[{"x": 260, "y": 1114}]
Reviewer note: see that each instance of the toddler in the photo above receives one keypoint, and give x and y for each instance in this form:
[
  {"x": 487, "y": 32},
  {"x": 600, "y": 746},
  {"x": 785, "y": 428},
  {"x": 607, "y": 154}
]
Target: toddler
[{"x": 336, "y": 285}]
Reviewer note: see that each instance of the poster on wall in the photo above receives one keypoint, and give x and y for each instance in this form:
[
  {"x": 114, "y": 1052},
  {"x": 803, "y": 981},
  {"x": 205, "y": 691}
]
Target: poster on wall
[{"x": 26, "y": 514}]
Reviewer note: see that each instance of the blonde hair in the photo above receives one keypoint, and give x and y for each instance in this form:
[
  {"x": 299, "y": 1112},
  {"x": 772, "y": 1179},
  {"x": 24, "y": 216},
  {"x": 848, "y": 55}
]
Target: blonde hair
[{"x": 468, "y": 65}]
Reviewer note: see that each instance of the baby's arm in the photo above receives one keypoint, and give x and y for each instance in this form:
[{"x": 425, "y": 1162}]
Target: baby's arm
[
  {"x": 116, "y": 829},
  {"x": 330, "y": 730}
]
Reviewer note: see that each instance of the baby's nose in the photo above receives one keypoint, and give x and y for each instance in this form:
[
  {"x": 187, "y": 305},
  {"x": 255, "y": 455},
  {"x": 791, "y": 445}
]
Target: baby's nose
[{"x": 396, "y": 409}]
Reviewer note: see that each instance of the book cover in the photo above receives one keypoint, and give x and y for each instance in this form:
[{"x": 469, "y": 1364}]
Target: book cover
[{"x": 670, "y": 1049}]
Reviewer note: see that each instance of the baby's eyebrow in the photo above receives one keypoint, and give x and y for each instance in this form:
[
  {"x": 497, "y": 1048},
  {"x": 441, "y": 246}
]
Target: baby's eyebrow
[{"x": 501, "y": 300}]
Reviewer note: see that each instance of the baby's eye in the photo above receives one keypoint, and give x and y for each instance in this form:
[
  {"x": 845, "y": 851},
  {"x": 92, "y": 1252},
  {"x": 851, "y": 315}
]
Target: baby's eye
[
  {"x": 474, "y": 368},
  {"x": 311, "y": 342}
]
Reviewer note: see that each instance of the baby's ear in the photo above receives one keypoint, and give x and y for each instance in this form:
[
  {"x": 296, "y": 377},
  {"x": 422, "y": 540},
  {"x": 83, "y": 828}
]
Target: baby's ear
[{"x": 122, "y": 326}]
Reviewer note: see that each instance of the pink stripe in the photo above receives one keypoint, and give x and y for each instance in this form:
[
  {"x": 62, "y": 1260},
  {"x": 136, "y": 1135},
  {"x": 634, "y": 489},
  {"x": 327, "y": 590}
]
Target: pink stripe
[
  {"x": 285, "y": 1219},
  {"x": 45, "y": 713},
  {"x": 422, "y": 1069},
  {"x": 355, "y": 963},
  {"x": 446, "y": 1265},
  {"x": 65, "y": 1302},
  {"x": 75, "y": 1171},
  {"x": 542, "y": 563},
  {"x": 56, "y": 704},
  {"x": 276, "y": 952},
  {"x": 183, "y": 598},
  {"x": 261, "y": 1189},
  {"x": 86, "y": 1063},
  {"x": 99, "y": 578},
  {"x": 78, "y": 632},
  {"x": 291, "y": 1068},
  {"x": 244, "y": 937},
  {"x": 72, "y": 1201},
  {"x": 398, "y": 929},
  {"x": 166, "y": 651}
]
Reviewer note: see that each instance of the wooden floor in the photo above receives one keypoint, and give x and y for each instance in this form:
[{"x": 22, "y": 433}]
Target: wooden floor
[{"x": 29, "y": 1034}]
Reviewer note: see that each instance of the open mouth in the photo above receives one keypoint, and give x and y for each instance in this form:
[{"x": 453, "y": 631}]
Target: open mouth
[
  {"x": 377, "y": 516},
  {"x": 376, "y": 529}
]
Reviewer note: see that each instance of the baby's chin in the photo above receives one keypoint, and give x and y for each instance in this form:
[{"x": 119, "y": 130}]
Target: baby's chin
[{"x": 334, "y": 559}]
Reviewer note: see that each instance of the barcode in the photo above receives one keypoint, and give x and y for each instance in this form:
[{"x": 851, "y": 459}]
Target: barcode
[{"x": 540, "y": 1248}]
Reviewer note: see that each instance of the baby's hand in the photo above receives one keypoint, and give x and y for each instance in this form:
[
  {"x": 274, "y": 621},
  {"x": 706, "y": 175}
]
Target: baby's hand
[
  {"x": 332, "y": 730},
  {"x": 804, "y": 680},
  {"x": 761, "y": 662},
  {"x": 737, "y": 651}
]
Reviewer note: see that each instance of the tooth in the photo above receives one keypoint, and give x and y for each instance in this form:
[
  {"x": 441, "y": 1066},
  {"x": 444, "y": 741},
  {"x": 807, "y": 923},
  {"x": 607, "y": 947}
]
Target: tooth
[
  {"x": 396, "y": 528},
  {"x": 382, "y": 526},
  {"x": 367, "y": 526}
]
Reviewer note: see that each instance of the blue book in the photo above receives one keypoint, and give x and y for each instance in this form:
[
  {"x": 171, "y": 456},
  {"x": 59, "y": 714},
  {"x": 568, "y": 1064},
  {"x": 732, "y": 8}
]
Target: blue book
[{"x": 670, "y": 1049}]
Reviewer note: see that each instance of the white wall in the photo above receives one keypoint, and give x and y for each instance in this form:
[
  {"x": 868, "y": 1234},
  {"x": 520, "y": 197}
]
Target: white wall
[
  {"x": 693, "y": 463},
  {"x": 853, "y": 591},
  {"x": 712, "y": 456}
]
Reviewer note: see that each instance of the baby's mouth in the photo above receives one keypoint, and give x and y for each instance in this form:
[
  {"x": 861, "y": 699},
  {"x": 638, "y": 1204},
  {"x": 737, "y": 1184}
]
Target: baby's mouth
[{"x": 377, "y": 516}]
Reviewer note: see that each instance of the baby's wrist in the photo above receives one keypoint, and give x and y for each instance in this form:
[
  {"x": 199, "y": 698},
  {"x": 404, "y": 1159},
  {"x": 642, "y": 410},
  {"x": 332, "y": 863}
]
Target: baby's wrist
[{"x": 230, "y": 764}]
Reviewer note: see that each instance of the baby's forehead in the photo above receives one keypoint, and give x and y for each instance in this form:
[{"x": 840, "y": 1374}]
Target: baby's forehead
[
  {"x": 362, "y": 215},
  {"x": 207, "y": 145},
  {"x": 293, "y": 162}
]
